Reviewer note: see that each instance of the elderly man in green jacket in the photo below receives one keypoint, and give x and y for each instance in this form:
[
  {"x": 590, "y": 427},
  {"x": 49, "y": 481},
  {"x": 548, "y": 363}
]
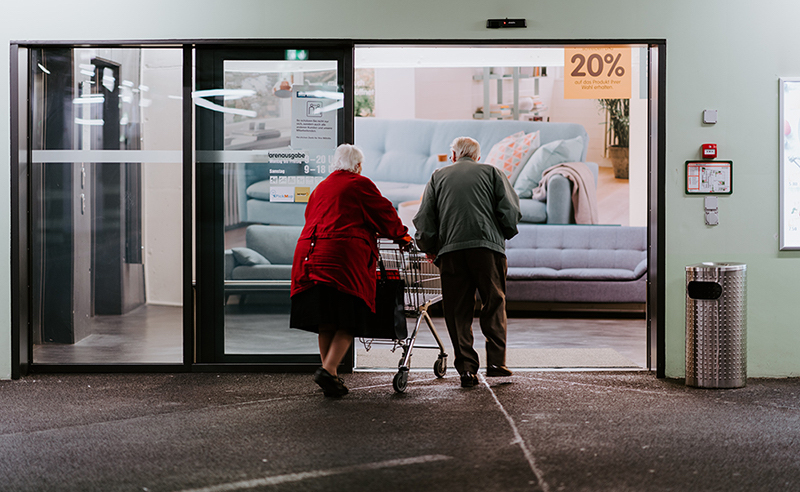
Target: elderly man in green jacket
[{"x": 467, "y": 212}]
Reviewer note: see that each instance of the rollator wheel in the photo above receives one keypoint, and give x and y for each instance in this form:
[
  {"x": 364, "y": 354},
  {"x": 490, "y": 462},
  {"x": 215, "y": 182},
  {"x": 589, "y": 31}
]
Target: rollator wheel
[
  {"x": 400, "y": 381},
  {"x": 440, "y": 367}
]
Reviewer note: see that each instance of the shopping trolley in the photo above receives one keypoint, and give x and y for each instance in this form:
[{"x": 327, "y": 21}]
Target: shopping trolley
[{"x": 422, "y": 289}]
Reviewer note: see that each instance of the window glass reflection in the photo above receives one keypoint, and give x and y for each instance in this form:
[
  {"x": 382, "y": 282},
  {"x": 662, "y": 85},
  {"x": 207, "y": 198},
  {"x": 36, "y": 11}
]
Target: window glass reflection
[
  {"x": 106, "y": 214},
  {"x": 283, "y": 115}
]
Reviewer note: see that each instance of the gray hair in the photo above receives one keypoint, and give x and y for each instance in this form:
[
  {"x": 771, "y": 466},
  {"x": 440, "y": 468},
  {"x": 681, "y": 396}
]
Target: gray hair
[
  {"x": 347, "y": 158},
  {"x": 466, "y": 147}
]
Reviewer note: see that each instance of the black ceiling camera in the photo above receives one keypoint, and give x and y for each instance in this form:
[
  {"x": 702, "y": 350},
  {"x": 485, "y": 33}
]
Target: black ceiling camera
[{"x": 501, "y": 23}]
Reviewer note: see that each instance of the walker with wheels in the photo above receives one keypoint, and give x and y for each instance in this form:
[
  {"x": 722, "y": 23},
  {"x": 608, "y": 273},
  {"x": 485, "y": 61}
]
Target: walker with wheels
[{"x": 422, "y": 289}]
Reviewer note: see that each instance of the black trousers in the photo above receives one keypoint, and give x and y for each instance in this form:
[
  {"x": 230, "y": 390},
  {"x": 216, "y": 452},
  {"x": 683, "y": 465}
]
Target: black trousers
[{"x": 463, "y": 272}]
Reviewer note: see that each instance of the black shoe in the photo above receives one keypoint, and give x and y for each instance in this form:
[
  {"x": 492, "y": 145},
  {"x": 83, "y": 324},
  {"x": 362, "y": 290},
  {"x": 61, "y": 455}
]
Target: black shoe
[
  {"x": 498, "y": 372},
  {"x": 468, "y": 380},
  {"x": 331, "y": 385}
]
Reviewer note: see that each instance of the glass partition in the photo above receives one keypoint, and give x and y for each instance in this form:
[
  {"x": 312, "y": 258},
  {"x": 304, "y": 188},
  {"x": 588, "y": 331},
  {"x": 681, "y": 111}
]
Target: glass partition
[{"x": 105, "y": 197}]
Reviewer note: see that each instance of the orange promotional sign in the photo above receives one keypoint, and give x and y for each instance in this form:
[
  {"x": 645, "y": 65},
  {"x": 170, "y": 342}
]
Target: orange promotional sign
[{"x": 597, "y": 72}]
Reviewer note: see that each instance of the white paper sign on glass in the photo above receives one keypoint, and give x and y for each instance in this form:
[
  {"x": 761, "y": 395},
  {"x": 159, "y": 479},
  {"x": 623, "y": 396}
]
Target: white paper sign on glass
[
  {"x": 314, "y": 113},
  {"x": 790, "y": 163}
]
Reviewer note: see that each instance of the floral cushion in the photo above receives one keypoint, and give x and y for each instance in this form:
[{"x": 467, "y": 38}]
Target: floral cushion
[{"x": 510, "y": 154}]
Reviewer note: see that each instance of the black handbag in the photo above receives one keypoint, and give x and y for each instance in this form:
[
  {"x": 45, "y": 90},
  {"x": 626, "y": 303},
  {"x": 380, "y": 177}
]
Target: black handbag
[{"x": 389, "y": 320}]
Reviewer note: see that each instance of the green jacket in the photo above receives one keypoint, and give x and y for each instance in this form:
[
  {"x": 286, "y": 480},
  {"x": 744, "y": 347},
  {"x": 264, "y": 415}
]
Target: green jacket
[{"x": 467, "y": 205}]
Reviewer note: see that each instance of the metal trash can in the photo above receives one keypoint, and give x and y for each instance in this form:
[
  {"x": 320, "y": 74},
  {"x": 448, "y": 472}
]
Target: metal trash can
[{"x": 716, "y": 325}]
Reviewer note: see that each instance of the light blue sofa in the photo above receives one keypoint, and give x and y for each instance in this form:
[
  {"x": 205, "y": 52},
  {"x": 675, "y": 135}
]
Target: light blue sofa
[
  {"x": 267, "y": 254},
  {"x": 577, "y": 263},
  {"x": 401, "y": 155}
]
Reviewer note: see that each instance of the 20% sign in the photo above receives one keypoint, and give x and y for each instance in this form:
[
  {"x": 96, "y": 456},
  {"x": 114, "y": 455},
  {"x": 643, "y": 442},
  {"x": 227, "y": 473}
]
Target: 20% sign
[{"x": 597, "y": 72}]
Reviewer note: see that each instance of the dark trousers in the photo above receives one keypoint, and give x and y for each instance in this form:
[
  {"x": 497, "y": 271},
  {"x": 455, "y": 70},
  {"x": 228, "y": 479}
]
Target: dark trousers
[{"x": 463, "y": 272}]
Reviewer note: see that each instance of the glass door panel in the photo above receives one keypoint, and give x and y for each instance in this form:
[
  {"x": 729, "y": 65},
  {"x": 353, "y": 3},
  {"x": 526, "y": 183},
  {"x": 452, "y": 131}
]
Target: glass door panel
[
  {"x": 105, "y": 197},
  {"x": 268, "y": 124}
]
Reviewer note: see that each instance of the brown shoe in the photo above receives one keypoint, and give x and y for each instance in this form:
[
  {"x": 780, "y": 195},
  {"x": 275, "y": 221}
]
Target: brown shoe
[
  {"x": 468, "y": 380},
  {"x": 498, "y": 372}
]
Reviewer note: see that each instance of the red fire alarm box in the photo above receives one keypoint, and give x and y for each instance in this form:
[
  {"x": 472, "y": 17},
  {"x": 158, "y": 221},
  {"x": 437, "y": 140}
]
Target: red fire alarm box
[{"x": 709, "y": 151}]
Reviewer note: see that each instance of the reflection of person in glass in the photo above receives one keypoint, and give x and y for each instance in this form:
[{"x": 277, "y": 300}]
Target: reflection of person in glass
[{"x": 333, "y": 272}]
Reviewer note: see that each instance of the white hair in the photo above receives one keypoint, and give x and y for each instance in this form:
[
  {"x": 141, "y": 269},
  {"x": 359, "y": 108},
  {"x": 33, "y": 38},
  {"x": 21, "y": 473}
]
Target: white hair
[
  {"x": 466, "y": 147},
  {"x": 347, "y": 158}
]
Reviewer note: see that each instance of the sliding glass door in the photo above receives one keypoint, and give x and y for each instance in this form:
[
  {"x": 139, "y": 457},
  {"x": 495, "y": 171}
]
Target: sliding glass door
[
  {"x": 267, "y": 124},
  {"x": 104, "y": 187}
]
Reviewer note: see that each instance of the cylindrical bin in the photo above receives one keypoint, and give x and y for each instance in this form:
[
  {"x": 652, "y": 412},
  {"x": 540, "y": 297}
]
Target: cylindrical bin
[{"x": 716, "y": 325}]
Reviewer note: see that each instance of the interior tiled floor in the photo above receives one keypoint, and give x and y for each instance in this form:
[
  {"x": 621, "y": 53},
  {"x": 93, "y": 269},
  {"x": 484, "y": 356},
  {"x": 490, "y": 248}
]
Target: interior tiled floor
[
  {"x": 149, "y": 334},
  {"x": 153, "y": 334}
]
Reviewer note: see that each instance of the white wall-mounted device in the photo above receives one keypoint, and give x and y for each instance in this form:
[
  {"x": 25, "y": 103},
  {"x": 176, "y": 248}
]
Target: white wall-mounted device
[{"x": 711, "y": 210}]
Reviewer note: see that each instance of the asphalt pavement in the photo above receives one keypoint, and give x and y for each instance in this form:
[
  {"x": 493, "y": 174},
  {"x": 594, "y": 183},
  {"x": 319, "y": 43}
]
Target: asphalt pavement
[{"x": 548, "y": 431}]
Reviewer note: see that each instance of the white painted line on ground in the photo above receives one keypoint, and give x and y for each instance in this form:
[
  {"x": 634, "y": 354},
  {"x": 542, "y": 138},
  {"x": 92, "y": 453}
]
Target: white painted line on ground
[
  {"x": 606, "y": 387},
  {"x": 296, "y": 477},
  {"x": 518, "y": 440}
]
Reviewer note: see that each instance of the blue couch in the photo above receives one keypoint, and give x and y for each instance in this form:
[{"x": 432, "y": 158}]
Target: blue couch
[
  {"x": 401, "y": 155},
  {"x": 267, "y": 254},
  {"x": 577, "y": 263}
]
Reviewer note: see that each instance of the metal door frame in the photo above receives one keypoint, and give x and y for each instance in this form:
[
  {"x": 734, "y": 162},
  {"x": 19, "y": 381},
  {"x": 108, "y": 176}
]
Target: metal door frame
[{"x": 21, "y": 355}]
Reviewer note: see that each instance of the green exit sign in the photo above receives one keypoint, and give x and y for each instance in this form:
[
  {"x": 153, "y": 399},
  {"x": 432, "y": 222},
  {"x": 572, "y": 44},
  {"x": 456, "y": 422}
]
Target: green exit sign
[{"x": 297, "y": 55}]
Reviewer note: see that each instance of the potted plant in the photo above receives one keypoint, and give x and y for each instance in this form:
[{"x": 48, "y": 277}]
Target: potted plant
[{"x": 618, "y": 126}]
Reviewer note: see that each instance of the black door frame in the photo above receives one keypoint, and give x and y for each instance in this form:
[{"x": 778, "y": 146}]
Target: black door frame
[
  {"x": 210, "y": 332},
  {"x": 21, "y": 350}
]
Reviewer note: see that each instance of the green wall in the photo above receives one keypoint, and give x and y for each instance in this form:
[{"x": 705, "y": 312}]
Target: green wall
[{"x": 724, "y": 55}]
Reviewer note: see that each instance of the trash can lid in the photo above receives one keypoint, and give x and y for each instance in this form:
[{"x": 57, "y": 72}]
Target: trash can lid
[{"x": 724, "y": 266}]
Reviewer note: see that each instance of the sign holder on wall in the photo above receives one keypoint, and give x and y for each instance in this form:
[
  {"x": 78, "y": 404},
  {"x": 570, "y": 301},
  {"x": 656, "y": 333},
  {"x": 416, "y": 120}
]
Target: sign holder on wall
[{"x": 709, "y": 177}]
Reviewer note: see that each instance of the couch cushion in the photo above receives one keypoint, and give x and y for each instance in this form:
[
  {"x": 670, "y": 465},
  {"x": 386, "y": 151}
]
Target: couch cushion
[
  {"x": 578, "y": 252},
  {"x": 570, "y": 258},
  {"x": 248, "y": 257},
  {"x": 259, "y": 190},
  {"x": 511, "y": 153},
  {"x": 275, "y": 243},
  {"x": 533, "y": 211},
  {"x": 525, "y": 273},
  {"x": 398, "y": 150},
  {"x": 546, "y": 156}
]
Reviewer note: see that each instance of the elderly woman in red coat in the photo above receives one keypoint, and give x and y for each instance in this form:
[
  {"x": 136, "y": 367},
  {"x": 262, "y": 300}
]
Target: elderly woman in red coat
[{"x": 333, "y": 272}]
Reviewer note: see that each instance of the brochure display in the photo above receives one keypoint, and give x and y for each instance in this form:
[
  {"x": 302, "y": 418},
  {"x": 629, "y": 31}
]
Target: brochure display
[{"x": 790, "y": 163}]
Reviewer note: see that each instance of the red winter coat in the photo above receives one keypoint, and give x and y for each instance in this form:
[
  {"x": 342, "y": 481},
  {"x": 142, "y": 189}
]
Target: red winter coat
[{"x": 344, "y": 215}]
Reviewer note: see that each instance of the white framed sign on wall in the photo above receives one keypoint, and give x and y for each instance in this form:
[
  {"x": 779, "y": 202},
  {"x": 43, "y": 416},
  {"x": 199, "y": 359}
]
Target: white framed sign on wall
[{"x": 790, "y": 163}]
